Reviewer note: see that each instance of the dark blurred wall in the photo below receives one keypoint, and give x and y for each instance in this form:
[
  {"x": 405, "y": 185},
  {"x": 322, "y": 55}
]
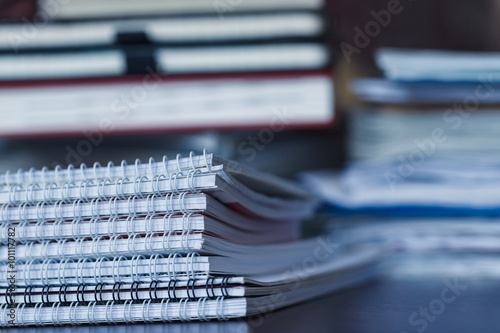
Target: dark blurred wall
[
  {"x": 17, "y": 9},
  {"x": 440, "y": 24}
]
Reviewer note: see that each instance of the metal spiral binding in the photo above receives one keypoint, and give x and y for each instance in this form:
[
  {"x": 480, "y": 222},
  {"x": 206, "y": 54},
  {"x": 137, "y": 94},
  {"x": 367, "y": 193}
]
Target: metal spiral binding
[
  {"x": 94, "y": 208},
  {"x": 98, "y": 274},
  {"x": 94, "y": 168},
  {"x": 58, "y": 208},
  {"x": 135, "y": 287},
  {"x": 223, "y": 286},
  {"x": 167, "y": 223},
  {"x": 72, "y": 319},
  {"x": 130, "y": 241},
  {"x": 182, "y": 203},
  {"x": 116, "y": 275},
  {"x": 95, "y": 246},
  {"x": 146, "y": 318},
  {"x": 135, "y": 263},
  {"x": 220, "y": 309},
  {"x": 83, "y": 186},
  {"x": 44, "y": 171},
  {"x": 130, "y": 225},
  {"x": 29, "y": 193},
  {"x": 165, "y": 317},
  {"x": 137, "y": 163},
  {"x": 20, "y": 310},
  {"x": 78, "y": 248},
  {"x": 55, "y": 313},
  {"x": 201, "y": 309},
  {"x": 93, "y": 227},
  {"x": 148, "y": 242},
  {"x": 131, "y": 206},
  {"x": 69, "y": 171},
  {"x": 174, "y": 187},
  {"x": 37, "y": 315},
  {"x": 74, "y": 227},
  {"x": 4, "y": 213},
  {"x": 207, "y": 165},
  {"x": 119, "y": 188},
  {"x": 109, "y": 166},
  {"x": 60, "y": 253},
  {"x": 79, "y": 269},
  {"x": 179, "y": 169},
  {"x": 171, "y": 265},
  {"x": 210, "y": 281},
  {"x": 148, "y": 228},
  {"x": 60, "y": 176},
  {"x": 155, "y": 284},
  {"x": 112, "y": 208},
  {"x": 39, "y": 211},
  {"x": 47, "y": 195},
  {"x": 155, "y": 183},
  {"x": 171, "y": 287},
  {"x": 83, "y": 167},
  {"x": 27, "y": 292},
  {"x": 116, "y": 291},
  {"x": 27, "y": 271},
  {"x": 137, "y": 186},
  {"x": 44, "y": 270},
  {"x": 166, "y": 242},
  {"x": 98, "y": 291},
  {"x": 65, "y": 187},
  {"x": 112, "y": 241},
  {"x": 128, "y": 320},
  {"x": 183, "y": 310},
  {"x": 153, "y": 272},
  {"x": 63, "y": 289},
  {"x": 80, "y": 291},
  {"x": 57, "y": 169},
  {"x": 20, "y": 230},
  {"x": 12, "y": 194},
  {"x": 150, "y": 204},
  {"x": 123, "y": 164},
  {"x": 61, "y": 276},
  {"x": 190, "y": 263},
  {"x": 191, "y": 284},
  {"x": 169, "y": 204},
  {"x": 77, "y": 212}
]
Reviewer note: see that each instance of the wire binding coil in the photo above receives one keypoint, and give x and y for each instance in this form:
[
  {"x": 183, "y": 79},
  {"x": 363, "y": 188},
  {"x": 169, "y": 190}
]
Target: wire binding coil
[
  {"x": 164, "y": 312},
  {"x": 135, "y": 288},
  {"x": 220, "y": 308}
]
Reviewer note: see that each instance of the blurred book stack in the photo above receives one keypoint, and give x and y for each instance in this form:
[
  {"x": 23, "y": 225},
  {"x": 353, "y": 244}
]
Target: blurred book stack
[
  {"x": 246, "y": 79},
  {"x": 129, "y": 67},
  {"x": 424, "y": 156},
  {"x": 425, "y": 140}
]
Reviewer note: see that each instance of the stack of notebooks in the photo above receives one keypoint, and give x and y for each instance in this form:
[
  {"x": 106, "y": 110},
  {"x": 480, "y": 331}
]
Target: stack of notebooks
[
  {"x": 194, "y": 238},
  {"x": 121, "y": 67},
  {"x": 432, "y": 77},
  {"x": 425, "y": 141}
]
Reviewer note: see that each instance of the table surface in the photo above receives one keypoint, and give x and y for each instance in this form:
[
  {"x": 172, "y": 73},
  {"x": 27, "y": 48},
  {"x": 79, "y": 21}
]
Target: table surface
[{"x": 390, "y": 306}]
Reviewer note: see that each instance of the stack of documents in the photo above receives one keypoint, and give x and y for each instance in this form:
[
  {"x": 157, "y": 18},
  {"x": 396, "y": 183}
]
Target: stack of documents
[{"x": 193, "y": 238}]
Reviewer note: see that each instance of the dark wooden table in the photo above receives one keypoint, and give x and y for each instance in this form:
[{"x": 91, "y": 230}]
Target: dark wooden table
[{"x": 394, "y": 306}]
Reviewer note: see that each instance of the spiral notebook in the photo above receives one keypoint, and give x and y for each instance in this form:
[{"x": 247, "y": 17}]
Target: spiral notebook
[
  {"x": 192, "y": 299},
  {"x": 198, "y": 237}
]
